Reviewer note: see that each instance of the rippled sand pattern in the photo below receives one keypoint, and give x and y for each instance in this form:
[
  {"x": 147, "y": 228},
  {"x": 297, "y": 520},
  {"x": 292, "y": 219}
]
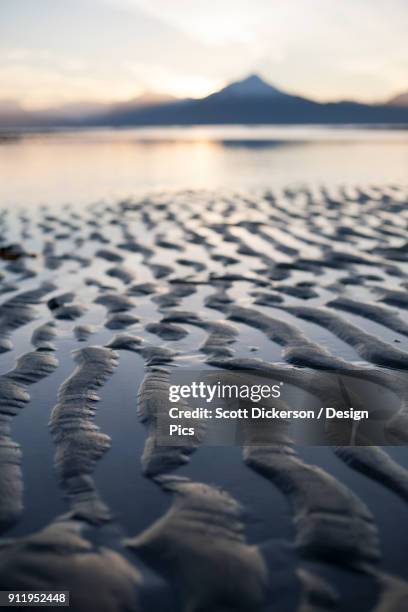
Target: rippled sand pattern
[{"x": 98, "y": 305}]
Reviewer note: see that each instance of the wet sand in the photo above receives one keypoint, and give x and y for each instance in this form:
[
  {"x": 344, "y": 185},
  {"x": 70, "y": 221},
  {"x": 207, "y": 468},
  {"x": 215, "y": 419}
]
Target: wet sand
[{"x": 99, "y": 304}]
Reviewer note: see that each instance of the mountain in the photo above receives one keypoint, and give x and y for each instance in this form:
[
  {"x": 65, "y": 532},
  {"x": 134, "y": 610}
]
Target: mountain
[
  {"x": 251, "y": 87},
  {"x": 12, "y": 114},
  {"x": 400, "y": 100},
  {"x": 148, "y": 99},
  {"x": 76, "y": 110},
  {"x": 248, "y": 101},
  {"x": 253, "y": 101},
  {"x": 89, "y": 109},
  {"x": 10, "y": 106}
]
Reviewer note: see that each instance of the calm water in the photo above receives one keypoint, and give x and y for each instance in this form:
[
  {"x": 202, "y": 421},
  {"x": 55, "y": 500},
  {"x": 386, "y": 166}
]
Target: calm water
[{"x": 84, "y": 166}]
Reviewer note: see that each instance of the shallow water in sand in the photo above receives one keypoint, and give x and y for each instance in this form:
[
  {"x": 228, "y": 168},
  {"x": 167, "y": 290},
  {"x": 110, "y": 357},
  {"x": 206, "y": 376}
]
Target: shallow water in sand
[{"x": 178, "y": 250}]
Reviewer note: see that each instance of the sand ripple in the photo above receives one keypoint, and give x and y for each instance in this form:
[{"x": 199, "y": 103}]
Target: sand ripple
[{"x": 285, "y": 283}]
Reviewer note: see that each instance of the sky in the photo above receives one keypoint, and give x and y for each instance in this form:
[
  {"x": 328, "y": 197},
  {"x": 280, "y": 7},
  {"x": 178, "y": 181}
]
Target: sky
[{"x": 65, "y": 51}]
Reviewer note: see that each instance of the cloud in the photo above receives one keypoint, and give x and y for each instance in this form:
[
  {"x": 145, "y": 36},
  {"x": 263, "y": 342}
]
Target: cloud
[{"x": 113, "y": 49}]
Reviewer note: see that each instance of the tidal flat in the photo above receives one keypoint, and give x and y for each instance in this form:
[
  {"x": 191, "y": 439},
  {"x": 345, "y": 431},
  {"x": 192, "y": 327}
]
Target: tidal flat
[{"x": 99, "y": 303}]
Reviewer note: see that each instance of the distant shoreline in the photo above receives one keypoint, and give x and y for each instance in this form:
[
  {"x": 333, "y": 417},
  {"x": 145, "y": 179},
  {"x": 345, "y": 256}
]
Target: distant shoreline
[{"x": 95, "y": 128}]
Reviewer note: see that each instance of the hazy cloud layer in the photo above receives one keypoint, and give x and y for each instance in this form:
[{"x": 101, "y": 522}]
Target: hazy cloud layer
[{"x": 57, "y": 51}]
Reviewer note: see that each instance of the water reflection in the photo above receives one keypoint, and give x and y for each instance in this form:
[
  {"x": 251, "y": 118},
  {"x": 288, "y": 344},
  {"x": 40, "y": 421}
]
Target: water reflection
[{"x": 60, "y": 167}]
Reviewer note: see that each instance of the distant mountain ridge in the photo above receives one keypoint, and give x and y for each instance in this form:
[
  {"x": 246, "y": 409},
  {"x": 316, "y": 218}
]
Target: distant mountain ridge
[
  {"x": 248, "y": 101},
  {"x": 251, "y": 86},
  {"x": 253, "y": 101},
  {"x": 400, "y": 100}
]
